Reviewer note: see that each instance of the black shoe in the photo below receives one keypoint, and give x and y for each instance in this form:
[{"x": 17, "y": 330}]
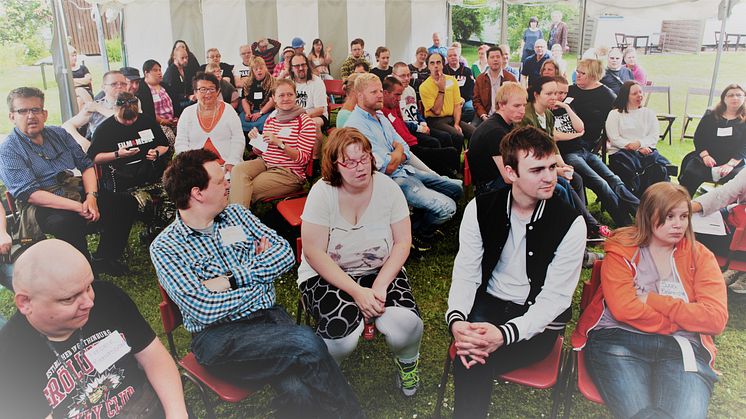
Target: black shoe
[
  {"x": 421, "y": 244},
  {"x": 111, "y": 267}
]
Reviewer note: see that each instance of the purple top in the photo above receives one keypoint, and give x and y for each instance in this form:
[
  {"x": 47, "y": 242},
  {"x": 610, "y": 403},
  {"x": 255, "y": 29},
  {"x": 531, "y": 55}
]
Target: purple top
[{"x": 639, "y": 74}]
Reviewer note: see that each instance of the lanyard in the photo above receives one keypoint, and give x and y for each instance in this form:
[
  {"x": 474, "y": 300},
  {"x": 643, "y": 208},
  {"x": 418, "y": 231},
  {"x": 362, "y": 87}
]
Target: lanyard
[{"x": 79, "y": 386}]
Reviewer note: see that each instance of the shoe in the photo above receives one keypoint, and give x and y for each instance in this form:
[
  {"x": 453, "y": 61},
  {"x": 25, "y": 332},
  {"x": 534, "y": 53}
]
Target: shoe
[
  {"x": 111, "y": 267},
  {"x": 369, "y": 331},
  {"x": 590, "y": 258},
  {"x": 730, "y": 276},
  {"x": 739, "y": 287},
  {"x": 408, "y": 377},
  {"x": 421, "y": 244}
]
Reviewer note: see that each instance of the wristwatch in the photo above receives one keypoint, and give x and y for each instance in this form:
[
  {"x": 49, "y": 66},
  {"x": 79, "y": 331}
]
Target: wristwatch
[
  {"x": 282, "y": 146},
  {"x": 116, "y": 154},
  {"x": 94, "y": 193}
]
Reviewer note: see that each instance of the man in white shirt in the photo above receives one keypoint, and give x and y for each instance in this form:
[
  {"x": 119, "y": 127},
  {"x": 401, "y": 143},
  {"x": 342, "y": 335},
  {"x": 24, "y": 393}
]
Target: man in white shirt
[
  {"x": 311, "y": 93},
  {"x": 519, "y": 260},
  {"x": 242, "y": 70}
]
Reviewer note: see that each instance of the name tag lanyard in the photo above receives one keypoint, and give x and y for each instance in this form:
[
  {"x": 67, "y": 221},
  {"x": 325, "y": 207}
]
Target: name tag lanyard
[{"x": 79, "y": 385}]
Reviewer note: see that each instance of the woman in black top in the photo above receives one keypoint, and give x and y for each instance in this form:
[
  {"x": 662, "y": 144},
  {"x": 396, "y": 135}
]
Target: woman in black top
[
  {"x": 719, "y": 142},
  {"x": 130, "y": 147}
]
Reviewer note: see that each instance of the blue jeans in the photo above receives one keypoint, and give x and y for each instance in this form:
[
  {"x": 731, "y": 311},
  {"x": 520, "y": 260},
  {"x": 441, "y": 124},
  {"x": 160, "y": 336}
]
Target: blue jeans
[
  {"x": 643, "y": 376},
  {"x": 615, "y": 197},
  {"x": 434, "y": 196},
  {"x": 467, "y": 111},
  {"x": 249, "y": 125},
  {"x": 268, "y": 347}
]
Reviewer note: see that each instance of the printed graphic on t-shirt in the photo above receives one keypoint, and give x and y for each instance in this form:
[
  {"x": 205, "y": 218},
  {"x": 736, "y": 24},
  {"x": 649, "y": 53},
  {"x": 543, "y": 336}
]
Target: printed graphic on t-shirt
[{"x": 302, "y": 99}]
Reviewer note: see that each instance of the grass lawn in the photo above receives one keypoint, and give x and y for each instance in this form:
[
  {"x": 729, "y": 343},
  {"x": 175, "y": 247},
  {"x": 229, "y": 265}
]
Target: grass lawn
[{"x": 370, "y": 369}]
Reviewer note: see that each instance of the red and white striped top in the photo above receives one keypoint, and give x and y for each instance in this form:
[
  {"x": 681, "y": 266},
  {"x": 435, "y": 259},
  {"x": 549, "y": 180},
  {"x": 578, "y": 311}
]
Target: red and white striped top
[{"x": 298, "y": 133}]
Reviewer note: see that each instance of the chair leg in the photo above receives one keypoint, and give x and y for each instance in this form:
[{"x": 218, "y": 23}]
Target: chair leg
[
  {"x": 571, "y": 379},
  {"x": 209, "y": 409},
  {"x": 559, "y": 388},
  {"x": 299, "y": 312},
  {"x": 683, "y": 129},
  {"x": 443, "y": 383}
]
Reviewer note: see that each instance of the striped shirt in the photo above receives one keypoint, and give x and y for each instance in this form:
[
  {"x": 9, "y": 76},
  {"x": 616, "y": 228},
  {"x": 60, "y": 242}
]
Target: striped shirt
[
  {"x": 298, "y": 133},
  {"x": 184, "y": 258},
  {"x": 26, "y": 167}
]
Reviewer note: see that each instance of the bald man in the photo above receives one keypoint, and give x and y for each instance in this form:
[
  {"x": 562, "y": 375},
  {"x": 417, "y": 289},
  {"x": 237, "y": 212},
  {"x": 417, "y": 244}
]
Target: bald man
[{"x": 61, "y": 355}]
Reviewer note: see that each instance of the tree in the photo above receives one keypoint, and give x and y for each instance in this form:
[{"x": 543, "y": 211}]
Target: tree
[
  {"x": 465, "y": 22},
  {"x": 21, "y": 19}
]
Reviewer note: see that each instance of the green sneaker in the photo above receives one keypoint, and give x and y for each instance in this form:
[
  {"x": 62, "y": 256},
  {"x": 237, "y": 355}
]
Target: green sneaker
[{"x": 409, "y": 377}]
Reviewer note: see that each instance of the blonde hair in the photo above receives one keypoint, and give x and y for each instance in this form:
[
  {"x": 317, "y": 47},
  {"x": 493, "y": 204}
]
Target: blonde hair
[
  {"x": 363, "y": 79},
  {"x": 508, "y": 89},
  {"x": 594, "y": 69},
  {"x": 267, "y": 84},
  {"x": 657, "y": 201}
]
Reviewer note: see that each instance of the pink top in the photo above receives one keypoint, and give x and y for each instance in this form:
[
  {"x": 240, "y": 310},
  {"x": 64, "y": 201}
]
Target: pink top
[{"x": 639, "y": 74}]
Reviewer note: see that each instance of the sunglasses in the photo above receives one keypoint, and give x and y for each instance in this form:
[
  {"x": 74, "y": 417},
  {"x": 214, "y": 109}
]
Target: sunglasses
[{"x": 122, "y": 102}]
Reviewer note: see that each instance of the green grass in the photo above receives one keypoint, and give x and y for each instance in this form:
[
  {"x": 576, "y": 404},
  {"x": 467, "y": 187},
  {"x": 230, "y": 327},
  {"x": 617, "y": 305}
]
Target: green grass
[{"x": 370, "y": 368}]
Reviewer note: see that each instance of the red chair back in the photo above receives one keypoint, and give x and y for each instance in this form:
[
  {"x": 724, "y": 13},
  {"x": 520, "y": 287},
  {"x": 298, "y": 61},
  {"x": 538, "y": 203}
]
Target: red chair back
[
  {"x": 334, "y": 88},
  {"x": 590, "y": 287},
  {"x": 11, "y": 202},
  {"x": 467, "y": 172},
  {"x": 170, "y": 314}
]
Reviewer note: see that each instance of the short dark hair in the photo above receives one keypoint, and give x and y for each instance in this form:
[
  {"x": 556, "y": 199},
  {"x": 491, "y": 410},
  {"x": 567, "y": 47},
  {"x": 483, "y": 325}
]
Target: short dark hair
[
  {"x": 357, "y": 41},
  {"x": 536, "y": 86},
  {"x": 309, "y": 74},
  {"x": 24, "y": 92},
  {"x": 361, "y": 62},
  {"x": 149, "y": 64},
  {"x": 389, "y": 83},
  {"x": 381, "y": 50},
  {"x": 442, "y": 58},
  {"x": 493, "y": 49},
  {"x": 622, "y": 99},
  {"x": 334, "y": 150},
  {"x": 526, "y": 140},
  {"x": 186, "y": 171},
  {"x": 201, "y": 75}
]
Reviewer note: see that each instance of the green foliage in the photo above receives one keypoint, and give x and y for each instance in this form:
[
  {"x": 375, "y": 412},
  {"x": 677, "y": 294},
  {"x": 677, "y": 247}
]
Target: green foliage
[
  {"x": 114, "y": 49},
  {"x": 22, "y": 19},
  {"x": 466, "y": 22}
]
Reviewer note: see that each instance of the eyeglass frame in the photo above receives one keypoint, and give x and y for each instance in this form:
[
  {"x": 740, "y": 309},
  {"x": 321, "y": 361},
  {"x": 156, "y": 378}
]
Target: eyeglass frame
[{"x": 364, "y": 160}]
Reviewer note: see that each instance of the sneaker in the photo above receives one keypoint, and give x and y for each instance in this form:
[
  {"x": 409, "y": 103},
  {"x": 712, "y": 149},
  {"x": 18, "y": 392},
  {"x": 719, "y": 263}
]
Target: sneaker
[
  {"x": 590, "y": 258},
  {"x": 408, "y": 377},
  {"x": 421, "y": 244},
  {"x": 739, "y": 287},
  {"x": 730, "y": 276}
]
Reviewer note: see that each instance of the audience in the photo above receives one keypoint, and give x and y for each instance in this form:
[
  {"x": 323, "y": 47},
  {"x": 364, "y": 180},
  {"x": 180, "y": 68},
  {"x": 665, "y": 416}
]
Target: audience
[
  {"x": 242, "y": 70},
  {"x": 465, "y": 79},
  {"x": 298, "y": 45},
  {"x": 311, "y": 96},
  {"x": 436, "y": 47},
  {"x": 556, "y": 51},
  {"x": 518, "y": 263},
  {"x": 228, "y": 93},
  {"x": 648, "y": 330},
  {"x": 267, "y": 49},
  {"x": 282, "y": 69},
  {"x": 549, "y": 69},
  {"x": 350, "y": 100},
  {"x": 480, "y": 66},
  {"x": 178, "y": 77},
  {"x": 214, "y": 56},
  {"x": 281, "y": 169},
  {"x": 320, "y": 58},
  {"x": 356, "y": 55},
  {"x": 218, "y": 263},
  {"x": 210, "y": 124},
  {"x": 257, "y": 102},
  {"x": 38, "y": 166},
  {"x": 382, "y": 68},
  {"x": 192, "y": 62},
  {"x": 48, "y": 368},
  {"x": 156, "y": 98},
  {"x": 633, "y": 133},
  {"x": 356, "y": 237},
  {"x": 506, "y": 62},
  {"x": 419, "y": 69},
  {"x": 82, "y": 78},
  {"x": 488, "y": 82},
  {"x": 719, "y": 142},
  {"x": 532, "y": 64},
  {"x": 630, "y": 61},
  {"x": 616, "y": 74}
]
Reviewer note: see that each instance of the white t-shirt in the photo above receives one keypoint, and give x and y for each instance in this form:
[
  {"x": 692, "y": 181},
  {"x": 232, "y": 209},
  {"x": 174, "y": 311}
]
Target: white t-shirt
[
  {"x": 312, "y": 94},
  {"x": 408, "y": 105},
  {"x": 636, "y": 125},
  {"x": 241, "y": 70},
  {"x": 362, "y": 248}
]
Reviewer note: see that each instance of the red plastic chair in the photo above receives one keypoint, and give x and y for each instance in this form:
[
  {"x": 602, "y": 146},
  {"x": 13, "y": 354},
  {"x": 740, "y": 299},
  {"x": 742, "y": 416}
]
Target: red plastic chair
[
  {"x": 547, "y": 373},
  {"x": 291, "y": 210},
  {"x": 737, "y": 247},
  {"x": 191, "y": 369},
  {"x": 12, "y": 210},
  {"x": 577, "y": 365},
  {"x": 334, "y": 88}
]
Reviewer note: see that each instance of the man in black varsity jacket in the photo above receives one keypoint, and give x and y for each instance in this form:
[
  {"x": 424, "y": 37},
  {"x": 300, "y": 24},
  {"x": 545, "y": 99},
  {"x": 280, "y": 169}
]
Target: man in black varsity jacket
[{"x": 519, "y": 260}]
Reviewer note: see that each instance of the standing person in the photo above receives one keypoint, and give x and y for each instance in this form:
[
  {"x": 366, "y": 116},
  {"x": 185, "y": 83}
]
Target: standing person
[
  {"x": 558, "y": 32},
  {"x": 242, "y": 70},
  {"x": 634, "y": 133},
  {"x": 228, "y": 93},
  {"x": 267, "y": 49},
  {"x": 648, "y": 330},
  {"x": 480, "y": 66},
  {"x": 436, "y": 47},
  {"x": 382, "y": 68},
  {"x": 530, "y": 35},
  {"x": 465, "y": 79},
  {"x": 281, "y": 169},
  {"x": 257, "y": 100},
  {"x": 214, "y": 56},
  {"x": 630, "y": 61},
  {"x": 178, "y": 77},
  {"x": 48, "y": 369},
  {"x": 218, "y": 263},
  {"x": 356, "y": 55},
  {"x": 419, "y": 69},
  {"x": 719, "y": 142},
  {"x": 487, "y": 84},
  {"x": 320, "y": 58},
  {"x": 356, "y": 237},
  {"x": 518, "y": 263},
  {"x": 531, "y": 67},
  {"x": 82, "y": 78},
  {"x": 442, "y": 101},
  {"x": 592, "y": 102},
  {"x": 211, "y": 124},
  {"x": 616, "y": 74}
]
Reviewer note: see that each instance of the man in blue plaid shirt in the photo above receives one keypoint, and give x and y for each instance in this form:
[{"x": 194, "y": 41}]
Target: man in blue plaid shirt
[{"x": 218, "y": 263}]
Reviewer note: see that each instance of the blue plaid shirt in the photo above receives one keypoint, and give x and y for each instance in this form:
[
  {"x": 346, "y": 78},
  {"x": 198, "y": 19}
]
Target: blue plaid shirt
[
  {"x": 183, "y": 258},
  {"x": 382, "y": 137},
  {"x": 26, "y": 167}
]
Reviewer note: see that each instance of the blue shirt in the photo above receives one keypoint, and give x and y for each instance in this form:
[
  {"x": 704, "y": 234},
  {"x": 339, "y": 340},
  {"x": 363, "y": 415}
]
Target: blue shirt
[
  {"x": 184, "y": 258},
  {"x": 26, "y": 167},
  {"x": 382, "y": 136},
  {"x": 442, "y": 50}
]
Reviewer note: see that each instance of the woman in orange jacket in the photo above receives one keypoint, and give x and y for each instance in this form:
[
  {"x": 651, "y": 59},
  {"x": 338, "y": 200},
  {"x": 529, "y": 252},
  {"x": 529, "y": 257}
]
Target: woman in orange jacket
[{"x": 648, "y": 330}]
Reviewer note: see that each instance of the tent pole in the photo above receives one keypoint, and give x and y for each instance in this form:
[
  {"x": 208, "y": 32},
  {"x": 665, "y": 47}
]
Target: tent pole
[
  {"x": 61, "y": 63},
  {"x": 726, "y": 4},
  {"x": 122, "y": 39},
  {"x": 503, "y": 22},
  {"x": 101, "y": 36},
  {"x": 583, "y": 8}
]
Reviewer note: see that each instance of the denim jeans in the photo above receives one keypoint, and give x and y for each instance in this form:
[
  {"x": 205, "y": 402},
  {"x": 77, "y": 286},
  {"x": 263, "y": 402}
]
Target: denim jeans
[
  {"x": 249, "y": 125},
  {"x": 642, "y": 376},
  {"x": 615, "y": 197},
  {"x": 434, "y": 195},
  {"x": 467, "y": 111},
  {"x": 268, "y": 347}
]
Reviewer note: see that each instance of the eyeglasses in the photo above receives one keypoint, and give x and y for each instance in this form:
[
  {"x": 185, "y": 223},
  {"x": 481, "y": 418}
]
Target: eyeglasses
[
  {"x": 353, "y": 164},
  {"x": 117, "y": 84},
  {"x": 298, "y": 65},
  {"x": 130, "y": 101},
  {"x": 25, "y": 111},
  {"x": 206, "y": 90}
]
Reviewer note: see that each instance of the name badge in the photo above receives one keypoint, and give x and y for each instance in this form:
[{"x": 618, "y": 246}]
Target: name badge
[
  {"x": 461, "y": 81},
  {"x": 146, "y": 134},
  {"x": 414, "y": 76},
  {"x": 672, "y": 289},
  {"x": 568, "y": 100},
  {"x": 449, "y": 83},
  {"x": 725, "y": 132},
  {"x": 107, "y": 351},
  {"x": 391, "y": 118},
  {"x": 284, "y": 132},
  {"x": 232, "y": 234},
  {"x": 258, "y": 95}
]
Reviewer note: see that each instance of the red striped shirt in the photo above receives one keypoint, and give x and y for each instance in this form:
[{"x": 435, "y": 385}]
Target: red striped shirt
[{"x": 299, "y": 133}]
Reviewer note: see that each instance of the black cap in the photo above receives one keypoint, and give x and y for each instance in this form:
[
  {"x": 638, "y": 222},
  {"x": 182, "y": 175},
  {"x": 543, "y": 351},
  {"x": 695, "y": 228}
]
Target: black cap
[{"x": 130, "y": 72}]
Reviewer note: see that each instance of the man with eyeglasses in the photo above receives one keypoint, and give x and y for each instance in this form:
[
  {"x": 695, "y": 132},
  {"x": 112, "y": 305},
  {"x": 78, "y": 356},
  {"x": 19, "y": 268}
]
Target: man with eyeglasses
[
  {"x": 38, "y": 165},
  {"x": 242, "y": 70},
  {"x": 94, "y": 113},
  {"x": 214, "y": 56},
  {"x": 311, "y": 93}
]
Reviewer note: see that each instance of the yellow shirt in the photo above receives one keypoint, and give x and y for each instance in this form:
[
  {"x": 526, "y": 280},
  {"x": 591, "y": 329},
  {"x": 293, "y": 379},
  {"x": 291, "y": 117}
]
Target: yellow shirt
[{"x": 451, "y": 98}]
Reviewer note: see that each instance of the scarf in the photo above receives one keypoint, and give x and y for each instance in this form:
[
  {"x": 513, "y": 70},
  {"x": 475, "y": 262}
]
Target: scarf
[{"x": 286, "y": 116}]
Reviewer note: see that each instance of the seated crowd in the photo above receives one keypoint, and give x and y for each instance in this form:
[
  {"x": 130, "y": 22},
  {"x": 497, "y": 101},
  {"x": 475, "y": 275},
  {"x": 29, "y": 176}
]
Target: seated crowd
[{"x": 213, "y": 140}]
